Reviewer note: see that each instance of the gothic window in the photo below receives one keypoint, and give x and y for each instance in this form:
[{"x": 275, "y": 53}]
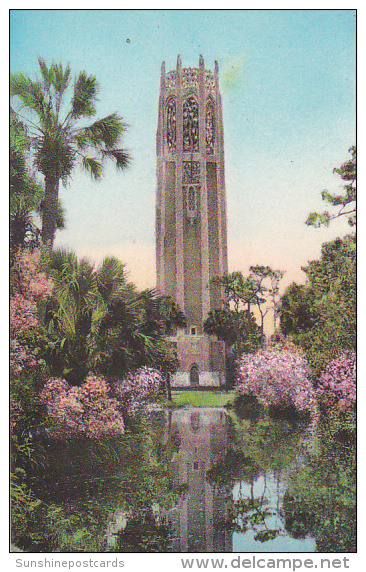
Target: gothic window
[
  {"x": 171, "y": 125},
  {"x": 210, "y": 126},
  {"x": 191, "y": 172},
  {"x": 191, "y": 199},
  {"x": 192, "y": 202},
  {"x": 190, "y": 124}
]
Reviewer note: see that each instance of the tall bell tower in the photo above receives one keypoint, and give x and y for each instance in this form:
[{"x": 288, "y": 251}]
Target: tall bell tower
[{"x": 191, "y": 233}]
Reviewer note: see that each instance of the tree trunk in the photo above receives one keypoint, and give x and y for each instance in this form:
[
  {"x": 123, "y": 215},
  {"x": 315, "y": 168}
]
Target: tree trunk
[{"x": 49, "y": 213}]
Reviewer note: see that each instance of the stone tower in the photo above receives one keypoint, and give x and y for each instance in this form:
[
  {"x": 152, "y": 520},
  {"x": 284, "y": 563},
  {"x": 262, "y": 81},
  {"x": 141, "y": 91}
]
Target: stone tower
[{"x": 191, "y": 236}]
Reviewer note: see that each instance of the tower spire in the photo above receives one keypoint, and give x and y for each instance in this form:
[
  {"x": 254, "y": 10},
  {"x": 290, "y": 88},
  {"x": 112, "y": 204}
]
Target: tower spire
[{"x": 162, "y": 75}]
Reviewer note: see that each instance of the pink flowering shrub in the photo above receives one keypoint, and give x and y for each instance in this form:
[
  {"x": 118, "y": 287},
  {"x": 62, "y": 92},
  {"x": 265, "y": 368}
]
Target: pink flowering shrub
[
  {"x": 23, "y": 314},
  {"x": 86, "y": 411},
  {"x": 20, "y": 357},
  {"x": 144, "y": 383},
  {"x": 34, "y": 283},
  {"x": 337, "y": 384},
  {"x": 277, "y": 378}
]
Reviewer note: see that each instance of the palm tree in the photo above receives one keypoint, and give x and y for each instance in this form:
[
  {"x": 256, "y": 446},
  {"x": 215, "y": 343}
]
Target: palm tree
[
  {"x": 69, "y": 315},
  {"x": 58, "y": 139},
  {"x": 96, "y": 320}
]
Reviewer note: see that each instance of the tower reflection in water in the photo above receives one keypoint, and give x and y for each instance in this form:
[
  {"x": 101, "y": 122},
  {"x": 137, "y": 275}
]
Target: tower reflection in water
[{"x": 201, "y": 438}]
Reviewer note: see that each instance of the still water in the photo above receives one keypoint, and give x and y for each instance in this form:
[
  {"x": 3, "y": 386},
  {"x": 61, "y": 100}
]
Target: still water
[{"x": 199, "y": 480}]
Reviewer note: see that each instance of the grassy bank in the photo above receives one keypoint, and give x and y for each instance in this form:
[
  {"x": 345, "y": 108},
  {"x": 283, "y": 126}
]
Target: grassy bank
[{"x": 201, "y": 398}]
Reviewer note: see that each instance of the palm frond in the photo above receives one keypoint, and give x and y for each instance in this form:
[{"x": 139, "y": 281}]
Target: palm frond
[
  {"x": 111, "y": 278},
  {"x": 44, "y": 70},
  {"x": 29, "y": 92},
  {"x": 85, "y": 92},
  {"x": 103, "y": 131},
  {"x": 62, "y": 262},
  {"x": 59, "y": 77},
  {"x": 121, "y": 156},
  {"x": 92, "y": 166},
  {"x": 56, "y": 77}
]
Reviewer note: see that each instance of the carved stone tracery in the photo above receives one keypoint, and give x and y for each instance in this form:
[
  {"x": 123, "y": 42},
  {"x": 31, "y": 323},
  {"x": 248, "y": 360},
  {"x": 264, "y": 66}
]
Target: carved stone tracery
[
  {"x": 170, "y": 80},
  {"x": 210, "y": 126},
  {"x": 210, "y": 80},
  {"x": 171, "y": 125},
  {"x": 189, "y": 78},
  {"x": 190, "y": 124}
]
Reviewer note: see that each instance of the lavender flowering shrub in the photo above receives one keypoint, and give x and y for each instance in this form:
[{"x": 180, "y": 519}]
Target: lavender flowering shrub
[
  {"x": 142, "y": 384},
  {"x": 277, "y": 379},
  {"x": 337, "y": 384},
  {"x": 30, "y": 285}
]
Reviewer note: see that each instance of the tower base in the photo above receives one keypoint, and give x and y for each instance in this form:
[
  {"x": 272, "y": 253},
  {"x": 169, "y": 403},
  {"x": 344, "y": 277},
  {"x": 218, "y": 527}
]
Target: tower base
[{"x": 201, "y": 361}]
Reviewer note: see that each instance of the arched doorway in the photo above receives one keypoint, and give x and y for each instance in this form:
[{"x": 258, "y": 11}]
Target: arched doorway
[{"x": 194, "y": 375}]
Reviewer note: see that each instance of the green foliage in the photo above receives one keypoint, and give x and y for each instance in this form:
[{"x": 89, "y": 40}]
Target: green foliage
[
  {"x": 144, "y": 533},
  {"x": 238, "y": 290},
  {"x": 266, "y": 289},
  {"x": 233, "y": 467},
  {"x": 271, "y": 442},
  {"x": 237, "y": 329},
  {"x": 170, "y": 315},
  {"x": 347, "y": 200},
  {"x": 84, "y": 98},
  {"x": 321, "y": 316},
  {"x": 97, "y": 321},
  {"x": 80, "y": 486},
  {"x": 54, "y": 528},
  {"x": 25, "y": 389},
  {"x": 25, "y": 193},
  {"x": 247, "y": 406},
  {"x": 23, "y": 506},
  {"x": 251, "y": 513},
  {"x": 260, "y": 289},
  {"x": 259, "y": 444},
  {"x": 321, "y": 499},
  {"x": 297, "y": 310}
]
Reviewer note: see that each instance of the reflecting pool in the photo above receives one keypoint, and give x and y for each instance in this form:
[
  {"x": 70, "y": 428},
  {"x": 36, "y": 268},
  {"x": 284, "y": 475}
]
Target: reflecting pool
[{"x": 198, "y": 480}]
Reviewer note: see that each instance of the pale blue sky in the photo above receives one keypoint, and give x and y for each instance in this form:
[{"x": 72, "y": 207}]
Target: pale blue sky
[{"x": 288, "y": 83}]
